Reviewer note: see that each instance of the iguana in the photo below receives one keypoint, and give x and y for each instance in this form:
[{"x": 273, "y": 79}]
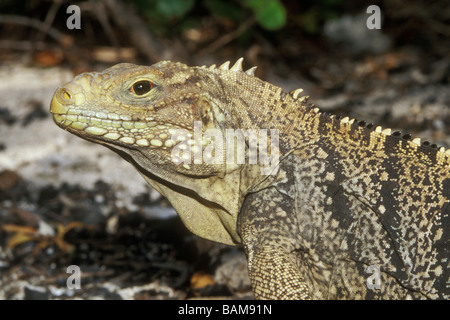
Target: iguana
[{"x": 349, "y": 211}]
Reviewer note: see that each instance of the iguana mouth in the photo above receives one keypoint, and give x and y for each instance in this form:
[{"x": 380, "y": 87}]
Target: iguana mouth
[{"x": 110, "y": 127}]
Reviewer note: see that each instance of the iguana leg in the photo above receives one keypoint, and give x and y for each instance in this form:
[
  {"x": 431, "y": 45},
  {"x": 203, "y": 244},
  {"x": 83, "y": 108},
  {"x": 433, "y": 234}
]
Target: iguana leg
[
  {"x": 274, "y": 275},
  {"x": 265, "y": 228}
]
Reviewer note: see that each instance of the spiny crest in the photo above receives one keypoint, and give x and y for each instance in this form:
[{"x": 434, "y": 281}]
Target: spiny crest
[
  {"x": 295, "y": 94},
  {"x": 237, "y": 67},
  {"x": 387, "y": 131}
]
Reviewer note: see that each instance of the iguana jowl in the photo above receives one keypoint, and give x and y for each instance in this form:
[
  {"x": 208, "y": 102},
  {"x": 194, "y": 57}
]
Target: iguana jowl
[{"x": 346, "y": 196}]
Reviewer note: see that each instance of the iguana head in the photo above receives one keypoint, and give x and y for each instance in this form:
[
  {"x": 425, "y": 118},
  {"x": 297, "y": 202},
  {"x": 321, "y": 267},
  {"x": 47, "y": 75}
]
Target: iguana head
[{"x": 157, "y": 118}]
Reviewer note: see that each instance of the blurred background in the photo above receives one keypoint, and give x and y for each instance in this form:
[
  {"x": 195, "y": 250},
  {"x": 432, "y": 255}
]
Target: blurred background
[{"x": 64, "y": 201}]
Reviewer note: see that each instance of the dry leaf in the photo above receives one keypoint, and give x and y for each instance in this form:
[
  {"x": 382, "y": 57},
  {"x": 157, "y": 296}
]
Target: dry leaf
[
  {"x": 19, "y": 238},
  {"x": 17, "y": 228}
]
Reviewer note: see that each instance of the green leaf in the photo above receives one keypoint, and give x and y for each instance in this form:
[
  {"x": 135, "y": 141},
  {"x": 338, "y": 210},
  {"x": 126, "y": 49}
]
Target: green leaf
[
  {"x": 225, "y": 9},
  {"x": 270, "y": 14},
  {"x": 174, "y": 8}
]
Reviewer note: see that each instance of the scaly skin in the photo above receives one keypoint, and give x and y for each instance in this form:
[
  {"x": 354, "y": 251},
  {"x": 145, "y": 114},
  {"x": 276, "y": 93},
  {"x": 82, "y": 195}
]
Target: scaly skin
[{"x": 344, "y": 197}]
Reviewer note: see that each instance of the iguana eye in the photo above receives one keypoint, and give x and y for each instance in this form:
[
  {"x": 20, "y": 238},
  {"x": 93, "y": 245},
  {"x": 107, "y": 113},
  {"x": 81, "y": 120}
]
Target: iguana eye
[{"x": 141, "y": 87}]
